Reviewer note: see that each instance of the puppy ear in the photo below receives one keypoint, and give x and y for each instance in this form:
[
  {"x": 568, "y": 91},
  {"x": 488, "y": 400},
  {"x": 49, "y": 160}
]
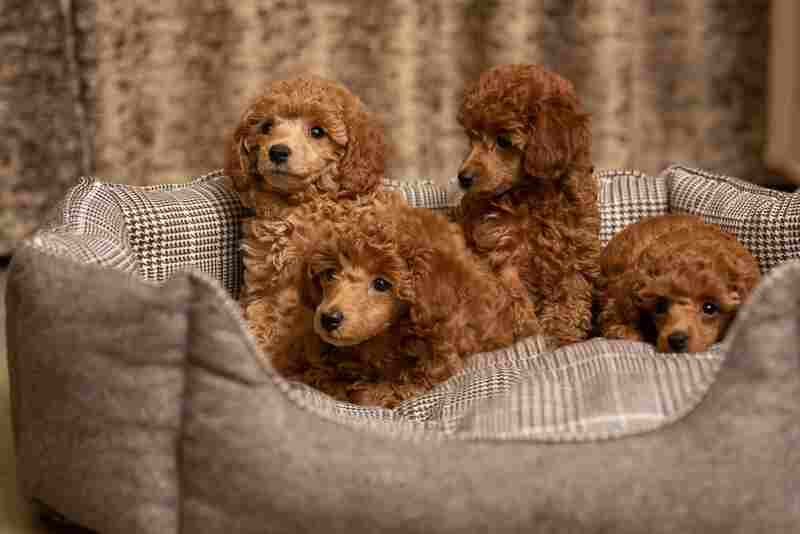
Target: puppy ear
[
  {"x": 644, "y": 297},
  {"x": 734, "y": 298},
  {"x": 559, "y": 140},
  {"x": 635, "y": 292},
  {"x": 310, "y": 289},
  {"x": 749, "y": 275},
  {"x": 425, "y": 293},
  {"x": 235, "y": 156},
  {"x": 362, "y": 167},
  {"x": 743, "y": 276}
]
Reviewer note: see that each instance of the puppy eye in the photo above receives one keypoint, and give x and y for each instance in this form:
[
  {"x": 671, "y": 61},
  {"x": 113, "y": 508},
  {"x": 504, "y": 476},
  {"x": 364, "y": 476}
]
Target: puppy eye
[
  {"x": 710, "y": 307},
  {"x": 503, "y": 141},
  {"x": 661, "y": 305},
  {"x": 317, "y": 132},
  {"x": 265, "y": 127},
  {"x": 328, "y": 275},
  {"x": 381, "y": 284}
]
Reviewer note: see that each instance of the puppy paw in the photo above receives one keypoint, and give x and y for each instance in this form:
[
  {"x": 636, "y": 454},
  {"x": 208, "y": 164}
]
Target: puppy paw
[{"x": 622, "y": 331}]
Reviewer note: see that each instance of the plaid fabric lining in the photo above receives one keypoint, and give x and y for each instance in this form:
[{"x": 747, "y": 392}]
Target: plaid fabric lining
[
  {"x": 174, "y": 227},
  {"x": 87, "y": 249},
  {"x": 87, "y": 225},
  {"x": 598, "y": 389},
  {"x": 626, "y": 197},
  {"x": 766, "y": 222},
  {"x": 593, "y": 390},
  {"x": 420, "y": 193}
]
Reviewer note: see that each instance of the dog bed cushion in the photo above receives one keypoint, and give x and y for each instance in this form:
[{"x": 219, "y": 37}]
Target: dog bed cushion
[{"x": 141, "y": 404}]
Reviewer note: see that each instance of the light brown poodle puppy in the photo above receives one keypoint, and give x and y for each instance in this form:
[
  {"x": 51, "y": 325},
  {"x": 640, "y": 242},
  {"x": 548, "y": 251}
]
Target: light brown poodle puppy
[
  {"x": 530, "y": 200},
  {"x": 397, "y": 302},
  {"x": 674, "y": 281},
  {"x": 300, "y": 140}
]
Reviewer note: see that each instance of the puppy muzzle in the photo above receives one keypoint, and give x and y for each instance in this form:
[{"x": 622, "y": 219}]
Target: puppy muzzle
[
  {"x": 270, "y": 172},
  {"x": 465, "y": 180}
]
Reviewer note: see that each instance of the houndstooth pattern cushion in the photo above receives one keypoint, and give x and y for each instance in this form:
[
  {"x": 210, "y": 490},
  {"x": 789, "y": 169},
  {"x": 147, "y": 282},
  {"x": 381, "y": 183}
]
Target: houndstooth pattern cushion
[
  {"x": 173, "y": 227},
  {"x": 158, "y": 230},
  {"x": 592, "y": 390},
  {"x": 420, "y": 194},
  {"x": 626, "y": 196},
  {"x": 89, "y": 226},
  {"x": 767, "y": 222}
]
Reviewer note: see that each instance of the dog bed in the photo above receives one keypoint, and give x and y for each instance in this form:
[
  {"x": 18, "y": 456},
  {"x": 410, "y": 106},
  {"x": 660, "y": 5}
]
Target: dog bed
[{"x": 140, "y": 403}]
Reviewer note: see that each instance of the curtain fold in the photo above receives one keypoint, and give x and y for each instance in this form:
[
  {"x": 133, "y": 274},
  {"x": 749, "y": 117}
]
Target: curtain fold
[{"x": 153, "y": 86}]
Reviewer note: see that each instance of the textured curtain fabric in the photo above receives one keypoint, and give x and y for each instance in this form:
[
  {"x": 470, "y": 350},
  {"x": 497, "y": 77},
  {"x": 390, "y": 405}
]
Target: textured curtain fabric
[
  {"x": 142, "y": 92},
  {"x": 783, "y": 128}
]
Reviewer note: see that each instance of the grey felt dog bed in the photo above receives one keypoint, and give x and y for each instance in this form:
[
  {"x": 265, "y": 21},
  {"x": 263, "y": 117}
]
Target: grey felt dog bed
[{"x": 141, "y": 405}]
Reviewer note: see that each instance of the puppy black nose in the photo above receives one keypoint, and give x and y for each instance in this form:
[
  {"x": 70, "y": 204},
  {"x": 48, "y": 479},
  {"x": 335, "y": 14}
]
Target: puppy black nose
[
  {"x": 331, "y": 320},
  {"x": 678, "y": 341},
  {"x": 279, "y": 153},
  {"x": 465, "y": 179}
]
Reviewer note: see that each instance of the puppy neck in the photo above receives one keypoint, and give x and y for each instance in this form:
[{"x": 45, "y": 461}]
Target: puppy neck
[{"x": 534, "y": 191}]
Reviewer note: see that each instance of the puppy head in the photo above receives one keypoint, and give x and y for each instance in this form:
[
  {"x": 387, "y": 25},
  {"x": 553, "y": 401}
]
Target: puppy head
[
  {"x": 677, "y": 320},
  {"x": 354, "y": 292},
  {"x": 523, "y": 124},
  {"x": 305, "y": 132},
  {"x": 375, "y": 263},
  {"x": 687, "y": 306}
]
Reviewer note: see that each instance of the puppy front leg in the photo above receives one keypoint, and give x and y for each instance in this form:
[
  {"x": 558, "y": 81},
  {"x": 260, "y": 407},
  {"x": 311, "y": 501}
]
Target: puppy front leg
[
  {"x": 566, "y": 312},
  {"x": 526, "y": 321},
  {"x": 288, "y": 333},
  {"x": 444, "y": 361},
  {"x": 623, "y": 331}
]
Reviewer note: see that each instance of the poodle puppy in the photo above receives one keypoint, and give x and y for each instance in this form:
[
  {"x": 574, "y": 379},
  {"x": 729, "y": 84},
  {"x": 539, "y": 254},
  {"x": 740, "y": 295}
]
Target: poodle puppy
[
  {"x": 396, "y": 301},
  {"x": 674, "y": 281},
  {"x": 299, "y": 140},
  {"x": 529, "y": 205}
]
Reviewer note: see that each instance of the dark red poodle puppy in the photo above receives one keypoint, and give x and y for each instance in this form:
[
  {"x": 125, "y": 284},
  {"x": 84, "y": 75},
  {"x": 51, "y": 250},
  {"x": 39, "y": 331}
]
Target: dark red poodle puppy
[
  {"x": 395, "y": 302},
  {"x": 674, "y": 281},
  {"x": 530, "y": 200}
]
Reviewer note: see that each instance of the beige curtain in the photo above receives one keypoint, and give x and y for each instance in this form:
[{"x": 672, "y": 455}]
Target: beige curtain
[
  {"x": 783, "y": 131},
  {"x": 142, "y": 91}
]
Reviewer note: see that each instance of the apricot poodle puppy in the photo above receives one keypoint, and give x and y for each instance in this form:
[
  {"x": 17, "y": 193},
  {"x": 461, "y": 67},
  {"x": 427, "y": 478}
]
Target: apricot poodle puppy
[
  {"x": 530, "y": 201},
  {"x": 300, "y": 140},
  {"x": 673, "y": 281},
  {"x": 397, "y": 302}
]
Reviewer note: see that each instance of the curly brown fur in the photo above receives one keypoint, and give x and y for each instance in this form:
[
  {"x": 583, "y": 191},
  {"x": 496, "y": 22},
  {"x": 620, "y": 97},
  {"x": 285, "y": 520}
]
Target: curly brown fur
[
  {"x": 356, "y": 137},
  {"x": 530, "y": 203},
  {"x": 674, "y": 281},
  {"x": 300, "y": 142},
  {"x": 398, "y": 303}
]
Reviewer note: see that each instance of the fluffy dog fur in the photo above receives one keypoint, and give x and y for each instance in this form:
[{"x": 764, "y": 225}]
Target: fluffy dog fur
[
  {"x": 396, "y": 301},
  {"x": 530, "y": 202},
  {"x": 299, "y": 141},
  {"x": 674, "y": 281}
]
